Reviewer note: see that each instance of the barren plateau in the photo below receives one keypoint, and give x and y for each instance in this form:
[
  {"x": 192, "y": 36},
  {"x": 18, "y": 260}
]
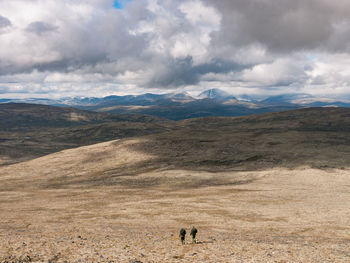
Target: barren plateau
[{"x": 263, "y": 188}]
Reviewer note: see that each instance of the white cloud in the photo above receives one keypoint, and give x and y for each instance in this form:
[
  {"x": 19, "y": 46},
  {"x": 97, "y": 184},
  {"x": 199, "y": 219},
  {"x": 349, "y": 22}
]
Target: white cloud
[
  {"x": 199, "y": 14},
  {"x": 179, "y": 31},
  {"x": 329, "y": 75},
  {"x": 281, "y": 72}
]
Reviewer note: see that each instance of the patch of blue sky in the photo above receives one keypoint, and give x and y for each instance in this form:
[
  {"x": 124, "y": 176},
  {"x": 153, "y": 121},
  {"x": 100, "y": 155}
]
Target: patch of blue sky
[
  {"x": 311, "y": 57},
  {"x": 119, "y": 4}
]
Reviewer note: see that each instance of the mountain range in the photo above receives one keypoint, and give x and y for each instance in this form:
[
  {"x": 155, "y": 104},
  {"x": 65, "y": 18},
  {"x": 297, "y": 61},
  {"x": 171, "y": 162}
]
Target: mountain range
[{"x": 179, "y": 106}]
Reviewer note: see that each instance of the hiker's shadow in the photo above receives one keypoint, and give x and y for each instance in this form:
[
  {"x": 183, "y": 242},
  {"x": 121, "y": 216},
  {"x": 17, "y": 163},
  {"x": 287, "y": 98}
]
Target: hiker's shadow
[{"x": 203, "y": 242}]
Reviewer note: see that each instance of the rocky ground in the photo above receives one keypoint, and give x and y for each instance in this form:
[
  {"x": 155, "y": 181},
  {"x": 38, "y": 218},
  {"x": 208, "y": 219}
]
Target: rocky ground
[
  {"x": 128, "y": 244},
  {"x": 278, "y": 215}
]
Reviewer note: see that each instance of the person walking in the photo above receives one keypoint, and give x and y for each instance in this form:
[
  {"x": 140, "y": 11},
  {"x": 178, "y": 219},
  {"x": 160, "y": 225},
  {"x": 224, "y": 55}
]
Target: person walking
[
  {"x": 182, "y": 235},
  {"x": 193, "y": 234}
]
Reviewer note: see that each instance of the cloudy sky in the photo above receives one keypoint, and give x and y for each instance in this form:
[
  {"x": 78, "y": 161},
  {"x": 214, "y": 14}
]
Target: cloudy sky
[{"x": 51, "y": 48}]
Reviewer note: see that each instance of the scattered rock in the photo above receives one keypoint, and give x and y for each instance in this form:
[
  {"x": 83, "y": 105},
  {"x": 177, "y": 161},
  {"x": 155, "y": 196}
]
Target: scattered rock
[{"x": 54, "y": 258}]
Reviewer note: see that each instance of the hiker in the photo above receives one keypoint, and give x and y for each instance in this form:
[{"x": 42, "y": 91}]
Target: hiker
[
  {"x": 182, "y": 235},
  {"x": 193, "y": 234}
]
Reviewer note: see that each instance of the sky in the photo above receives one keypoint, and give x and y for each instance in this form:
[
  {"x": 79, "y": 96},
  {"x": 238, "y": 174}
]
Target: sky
[{"x": 53, "y": 49}]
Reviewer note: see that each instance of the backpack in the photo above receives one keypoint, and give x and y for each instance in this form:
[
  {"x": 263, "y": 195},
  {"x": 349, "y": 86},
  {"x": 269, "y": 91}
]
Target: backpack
[{"x": 182, "y": 232}]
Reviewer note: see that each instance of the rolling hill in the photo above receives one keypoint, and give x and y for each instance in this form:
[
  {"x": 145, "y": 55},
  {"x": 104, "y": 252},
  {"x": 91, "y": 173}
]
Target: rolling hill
[
  {"x": 29, "y": 130},
  {"x": 317, "y": 137},
  {"x": 264, "y": 188}
]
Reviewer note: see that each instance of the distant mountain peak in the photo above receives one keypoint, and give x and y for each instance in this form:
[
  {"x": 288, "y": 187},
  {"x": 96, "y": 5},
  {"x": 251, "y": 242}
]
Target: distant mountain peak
[
  {"x": 182, "y": 95},
  {"x": 215, "y": 94}
]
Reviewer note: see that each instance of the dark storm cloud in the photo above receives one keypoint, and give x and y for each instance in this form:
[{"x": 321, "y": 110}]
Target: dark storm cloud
[
  {"x": 219, "y": 66},
  {"x": 4, "y": 22},
  {"x": 182, "y": 72},
  {"x": 176, "y": 73},
  {"x": 284, "y": 25},
  {"x": 39, "y": 27}
]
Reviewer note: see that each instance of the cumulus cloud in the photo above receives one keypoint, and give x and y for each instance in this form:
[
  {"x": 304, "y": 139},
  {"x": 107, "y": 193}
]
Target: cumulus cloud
[
  {"x": 40, "y": 27},
  {"x": 281, "y": 72},
  {"x": 4, "y": 22},
  {"x": 284, "y": 26},
  {"x": 242, "y": 46},
  {"x": 184, "y": 72}
]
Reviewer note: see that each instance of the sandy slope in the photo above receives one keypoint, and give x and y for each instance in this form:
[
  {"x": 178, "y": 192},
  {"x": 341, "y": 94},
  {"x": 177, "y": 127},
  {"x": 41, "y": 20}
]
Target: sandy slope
[{"x": 111, "y": 203}]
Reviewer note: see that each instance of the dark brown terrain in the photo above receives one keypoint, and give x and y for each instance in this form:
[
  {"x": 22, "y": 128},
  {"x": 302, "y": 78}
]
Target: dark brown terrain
[{"x": 29, "y": 131}]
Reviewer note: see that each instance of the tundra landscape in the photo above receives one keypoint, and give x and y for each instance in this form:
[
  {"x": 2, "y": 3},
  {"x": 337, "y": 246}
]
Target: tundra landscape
[
  {"x": 126, "y": 123},
  {"x": 263, "y": 188}
]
